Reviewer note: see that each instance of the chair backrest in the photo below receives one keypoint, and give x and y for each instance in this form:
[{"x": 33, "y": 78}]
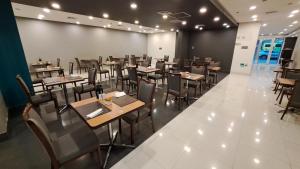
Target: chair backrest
[
  {"x": 295, "y": 98},
  {"x": 186, "y": 62},
  {"x": 161, "y": 67},
  {"x": 145, "y": 63},
  {"x": 132, "y": 60},
  {"x": 198, "y": 70},
  {"x": 58, "y": 62},
  {"x": 100, "y": 60},
  {"x": 174, "y": 82},
  {"x": 292, "y": 73},
  {"x": 144, "y": 56},
  {"x": 214, "y": 64},
  {"x": 94, "y": 64},
  {"x": 126, "y": 58},
  {"x": 132, "y": 74},
  {"x": 38, "y": 127},
  {"x": 71, "y": 65},
  {"x": 207, "y": 59},
  {"x": 145, "y": 92},
  {"x": 149, "y": 60},
  {"x": 110, "y": 58},
  {"x": 92, "y": 76},
  {"x": 119, "y": 70},
  {"x": 77, "y": 62},
  {"x": 24, "y": 86},
  {"x": 166, "y": 58}
]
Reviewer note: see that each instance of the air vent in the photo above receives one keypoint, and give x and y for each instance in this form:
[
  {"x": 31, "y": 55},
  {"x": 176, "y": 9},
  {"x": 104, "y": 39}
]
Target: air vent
[
  {"x": 180, "y": 15},
  {"x": 71, "y": 17},
  {"x": 175, "y": 21},
  {"x": 271, "y": 12}
]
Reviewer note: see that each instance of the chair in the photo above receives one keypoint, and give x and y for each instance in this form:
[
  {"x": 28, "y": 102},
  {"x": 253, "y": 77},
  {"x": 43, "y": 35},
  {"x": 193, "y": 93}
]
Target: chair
[
  {"x": 294, "y": 100},
  {"x": 110, "y": 58},
  {"x": 207, "y": 59},
  {"x": 79, "y": 66},
  {"x": 101, "y": 70},
  {"x": 194, "y": 84},
  {"x": 187, "y": 64},
  {"x": 132, "y": 60},
  {"x": 88, "y": 86},
  {"x": 126, "y": 59},
  {"x": 214, "y": 74},
  {"x": 174, "y": 67},
  {"x": 149, "y": 60},
  {"x": 58, "y": 62},
  {"x": 144, "y": 56},
  {"x": 145, "y": 93},
  {"x": 159, "y": 74},
  {"x": 166, "y": 58},
  {"x": 36, "y": 100},
  {"x": 71, "y": 65},
  {"x": 60, "y": 150},
  {"x": 120, "y": 76},
  {"x": 133, "y": 78},
  {"x": 176, "y": 88}
]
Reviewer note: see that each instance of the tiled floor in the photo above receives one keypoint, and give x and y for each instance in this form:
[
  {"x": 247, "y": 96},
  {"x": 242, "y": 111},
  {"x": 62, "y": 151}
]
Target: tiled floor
[
  {"x": 236, "y": 125},
  {"x": 23, "y": 151}
]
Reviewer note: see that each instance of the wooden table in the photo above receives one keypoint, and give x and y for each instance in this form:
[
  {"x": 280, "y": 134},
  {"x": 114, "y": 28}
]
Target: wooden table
[
  {"x": 191, "y": 76},
  {"x": 41, "y": 64},
  {"x": 46, "y": 70},
  {"x": 52, "y": 81},
  {"x": 111, "y": 65},
  {"x": 115, "y": 113}
]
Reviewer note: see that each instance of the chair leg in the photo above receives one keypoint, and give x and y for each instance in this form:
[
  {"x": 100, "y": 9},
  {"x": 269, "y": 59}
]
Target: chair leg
[
  {"x": 56, "y": 104},
  {"x": 122, "y": 85},
  {"x": 179, "y": 105},
  {"x": 153, "y": 126},
  {"x": 75, "y": 97},
  {"x": 79, "y": 96},
  {"x": 281, "y": 90},
  {"x": 166, "y": 98},
  {"x": 132, "y": 133},
  {"x": 99, "y": 157},
  {"x": 117, "y": 83},
  {"x": 120, "y": 126},
  {"x": 195, "y": 92},
  {"x": 91, "y": 94},
  {"x": 285, "y": 111},
  {"x": 281, "y": 97}
]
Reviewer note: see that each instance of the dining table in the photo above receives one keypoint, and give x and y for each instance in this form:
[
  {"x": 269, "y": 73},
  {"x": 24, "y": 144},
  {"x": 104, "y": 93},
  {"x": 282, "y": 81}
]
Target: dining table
[
  {"x": 111, "y": 65},
  {"x": 110, "y": 107}
]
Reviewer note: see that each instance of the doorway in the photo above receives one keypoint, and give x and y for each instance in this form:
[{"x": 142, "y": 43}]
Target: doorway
[{"x": 268, "y": 51}]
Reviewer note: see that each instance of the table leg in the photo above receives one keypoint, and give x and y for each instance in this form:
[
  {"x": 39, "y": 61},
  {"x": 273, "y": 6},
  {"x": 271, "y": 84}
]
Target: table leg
[{"x": 67, "y": 105}]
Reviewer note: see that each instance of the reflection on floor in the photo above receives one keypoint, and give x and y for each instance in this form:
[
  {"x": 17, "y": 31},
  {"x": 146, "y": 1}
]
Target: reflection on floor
[{"x": 23, "y": 151}]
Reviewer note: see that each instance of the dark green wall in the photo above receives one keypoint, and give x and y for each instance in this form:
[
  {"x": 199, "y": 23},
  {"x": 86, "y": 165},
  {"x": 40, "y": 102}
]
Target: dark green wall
[{"x": 12, "y": 58}]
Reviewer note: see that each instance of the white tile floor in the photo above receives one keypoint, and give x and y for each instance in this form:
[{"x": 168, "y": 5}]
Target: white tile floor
[{"x": 233, "y": 126}]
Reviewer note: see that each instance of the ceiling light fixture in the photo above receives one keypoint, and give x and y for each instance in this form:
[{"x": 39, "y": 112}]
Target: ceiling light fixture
[
  {"x": 77, "y": 22},
  {"x": 253, "y": 7},
  {"x": 136, "y": 22},
  {"x": 133, "y": 5},
  {"x": 105, "y": 15},
  {"x": 172, "y": 29},
  {"x": 177, "y": 30},
  {"x": 41, "y": 16},
  {"x": 55, "y": 5},
  {"x": 201, "y": 28},
  {"x": 291, "y": 25},
  {"x": 203, "y": 10},
  {"x": 91, "y": 17},
  {"x": 295, "y": 22},
  {"x": 254, "y": 16},
  {"x": 141, "y": 27},
  {"x": 165, "y": 16},
  {"x": 285, "y": 29},
  {"x": 129, "y": 29},
  {"x": 157, "y": 26},
  {"x": 216, "y": 19},
  {"x": 254, "y": 19},
  {"x": 108, "y": 25},
  {"x": 104, "y": 26},
  {"x": 183, "y": 22},
  {"x": 295, "y": 11},
  {"x": 291, "y": 15},
  {"x": 120, "y": 23},
  {"x": 196, "y": 26},
  {"x": 227, "y": 26},
  {"x": 46, "y": 10},
  {"x": 264, "y": 25}
]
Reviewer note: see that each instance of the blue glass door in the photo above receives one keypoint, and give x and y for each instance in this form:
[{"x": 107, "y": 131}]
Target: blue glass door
[
  {"x": 277, "y": 47},
  {"x": 265, "y": 48}
]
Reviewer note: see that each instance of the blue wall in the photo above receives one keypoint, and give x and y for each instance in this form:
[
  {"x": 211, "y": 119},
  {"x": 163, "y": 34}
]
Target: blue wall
[{"x": 12, "y": 58}]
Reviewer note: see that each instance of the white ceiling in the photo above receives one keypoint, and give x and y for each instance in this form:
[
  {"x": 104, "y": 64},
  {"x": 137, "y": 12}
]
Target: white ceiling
[
  {"x": 272, "y": 12},
  {"x": 27, "y": 11}
]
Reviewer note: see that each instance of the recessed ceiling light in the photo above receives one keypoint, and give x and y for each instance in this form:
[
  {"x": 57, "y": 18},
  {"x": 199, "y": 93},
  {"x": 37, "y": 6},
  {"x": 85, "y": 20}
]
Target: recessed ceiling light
[
  {"x": 225, "y": 24},
  {"x": 203, "y": 10},
  {"x": 136, "y": 22},
  {"x": 157, "y": 26},
  {"x": 55, "y": 5},
  {"x": 264, "y": 25},
  {"x": 120, "y": 23},
  {"x": 285, "y": 29},
  {"x": 165, "y": 16},
  {"x": 91, "y": 17},
  {"x": 256, "y": 161},
  {"x": 129, "y": 29},
  {"x": 253, "y": 7},
  {"x": 201, "y": 28},
  {"x": 156, "y": 29},
  {"x": 254, "y": 19},
  {"x": 108, "y": 25},
  {"x": 46, "y": 10},
  {"x": 133, "y": 5},
  {"x": 254, "y": 16},
  {"x": 295, "y": 22},
  {"x": 177, "y": 30},
  {"x": 216, "y": 19},
  {"x": 183, "y": 22},
  {"x": 144, "y": 31},
  {"x": 77, "y": 22},
  {"x": 280, "y": 32},
  {"x": 291, "y": 15},
  {"x": 104, "y": 26},
  {"x": 295, "y": 11},
  {"x": 105, "y": 15},
  {"x": 172, "y": 29},
  {"x": 163, "y": 30},
  {"x": 140, "y": 27},
  {"x": 41, "y": 16},
  {"x": 291, "y": 25},
  {"x": 196, "y": 26}
]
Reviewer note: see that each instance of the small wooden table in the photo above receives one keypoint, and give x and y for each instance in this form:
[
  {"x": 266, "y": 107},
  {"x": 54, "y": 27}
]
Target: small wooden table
[
  {"x": 52, "y": 81},
  {"x": 191, "y": 76},
  {"x": 41, "y": 64},
  {"x": 46, "y": 70},
  {"x": 115, "y": 112},
  {"x": 111, "y": 65}
]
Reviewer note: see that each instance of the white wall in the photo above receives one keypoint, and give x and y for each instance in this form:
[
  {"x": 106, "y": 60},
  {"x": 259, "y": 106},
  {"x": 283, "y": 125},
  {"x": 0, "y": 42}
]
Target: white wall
[
  {"x": 165, "y": 41},
  {"x": 50, "y": 40},
  {"x": 296, "y": 54},
  {"x": 247, "y": 36}
]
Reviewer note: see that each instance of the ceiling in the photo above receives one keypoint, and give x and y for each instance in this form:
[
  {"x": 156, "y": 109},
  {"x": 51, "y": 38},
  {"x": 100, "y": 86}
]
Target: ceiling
[
  {"x": 119, "y": 10},
  {"x": 273, "y": 13}
]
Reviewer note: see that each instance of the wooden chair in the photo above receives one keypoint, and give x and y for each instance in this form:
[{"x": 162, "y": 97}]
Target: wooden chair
[
  {"x": 71, "y": 66},
  {"x": 294, "y": 101},
  {"x": 176, "y": 88},
  {"x": 145, "y": 93},
  {"x": 100, "y": 70},
  {"x": 133, "y": 78},
  {"x": 166, "y": 58},
  {"x": 120, "y": 76},
  {"x": 37, "y": 100},
  {"x": 60, "y": 150},
  {"x": 159, "y": 74},
  {"x": 79, "y": 66},
  {"x": 195, "y": 84},
  {"x": 88, "y": 86},
  {"x": 58, "y": 62}
]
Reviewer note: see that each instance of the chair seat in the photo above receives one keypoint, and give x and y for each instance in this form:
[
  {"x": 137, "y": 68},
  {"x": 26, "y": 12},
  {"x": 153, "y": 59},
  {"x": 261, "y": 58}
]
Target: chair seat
[
  {"x": 103, "y": 71},
  {"x": 37, "y": 80},
  {"x": 42, "y": 98},
  {"x": 125, "y": 77},
  {"x": 155, "y": 76},
  {"x": 193, "y": 84},
  {"x": 133, "y": 117},
  {"x": 176, "y": 93},
  {"x": 74, "y": 144},
  {"x": 141, "y": 74},
  {"x": 86, "y": 88}
]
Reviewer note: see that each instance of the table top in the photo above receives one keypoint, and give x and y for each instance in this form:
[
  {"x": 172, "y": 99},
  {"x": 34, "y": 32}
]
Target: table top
[
  {"x": 147, "y": 69},
  {"x": 191, "y": 76},
  {"x": 50, "y": 81},
  {"x": 288, "y": 82},
  {"x": 41, "y": 64},
  {"x": 116, "y": 111},
  {"x": 48, "y": 69},
  {"x": 171, "y": 63},
  {"x": 110, "y": 63},
  {"x": 214, "y": 68}
]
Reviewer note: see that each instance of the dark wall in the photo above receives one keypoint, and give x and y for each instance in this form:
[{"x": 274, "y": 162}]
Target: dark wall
[
  {"x": 218, "y": 44},
  {"x": 182, "y": 45},
  {"x": 12, "y": 57}
]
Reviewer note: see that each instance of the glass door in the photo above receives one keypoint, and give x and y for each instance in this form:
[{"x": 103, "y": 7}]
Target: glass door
[
  {"x": 265, "y": 47},
  {"x": 277, "y": 47}
]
